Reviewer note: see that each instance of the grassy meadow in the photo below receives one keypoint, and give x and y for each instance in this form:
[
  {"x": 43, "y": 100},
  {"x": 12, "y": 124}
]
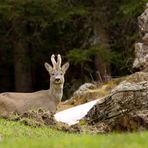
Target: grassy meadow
[{"x": 17, "y": 135}]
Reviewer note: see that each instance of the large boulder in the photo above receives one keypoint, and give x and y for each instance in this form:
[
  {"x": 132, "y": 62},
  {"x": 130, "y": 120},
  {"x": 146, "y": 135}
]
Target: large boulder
[
  {"x": 124, "y": 109},
  {"x": 141, "y": 48},
  {"x": 143, "y": 21}
]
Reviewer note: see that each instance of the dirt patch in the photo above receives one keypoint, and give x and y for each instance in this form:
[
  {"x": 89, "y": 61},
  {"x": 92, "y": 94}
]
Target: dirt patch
[
  {"x": 34, "y": 118},
  {"x": 41, "y": 118}
]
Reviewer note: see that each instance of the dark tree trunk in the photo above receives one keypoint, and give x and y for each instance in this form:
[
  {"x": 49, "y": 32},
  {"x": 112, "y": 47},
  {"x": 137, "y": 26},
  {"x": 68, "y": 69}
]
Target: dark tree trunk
[
  {"x": 6, "y": 81},
  {"x": 22, "y": 59},
  {"x": 22, "y": 68},
  {"x": 102, "y": 67}
]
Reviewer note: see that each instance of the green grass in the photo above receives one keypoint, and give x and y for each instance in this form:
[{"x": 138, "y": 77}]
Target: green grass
[{"x": 17, "y": 135}]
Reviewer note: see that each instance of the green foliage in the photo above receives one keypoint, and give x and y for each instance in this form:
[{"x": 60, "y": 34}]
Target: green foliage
[
  {"x": 40, "y": 11},
  {"x": 78, "y": 56},
  {"x": 132, "y": 8}
]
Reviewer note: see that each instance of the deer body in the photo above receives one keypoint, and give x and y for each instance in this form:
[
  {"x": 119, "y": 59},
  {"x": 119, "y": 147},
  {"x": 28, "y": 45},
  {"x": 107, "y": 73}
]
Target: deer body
[{"x": 46, "y": 99}]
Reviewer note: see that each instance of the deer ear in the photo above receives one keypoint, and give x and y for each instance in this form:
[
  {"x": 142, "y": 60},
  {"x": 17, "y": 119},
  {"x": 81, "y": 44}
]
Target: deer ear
[
  {"x": 65, "y": 67},
  {"x": 48, "y": 67}
]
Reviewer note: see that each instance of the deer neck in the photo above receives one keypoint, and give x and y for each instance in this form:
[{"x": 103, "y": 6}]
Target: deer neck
[{"x": 56, "y": 92}]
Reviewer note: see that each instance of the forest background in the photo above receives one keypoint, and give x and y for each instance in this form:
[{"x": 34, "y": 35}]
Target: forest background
[{"x": 97, "y": 37}]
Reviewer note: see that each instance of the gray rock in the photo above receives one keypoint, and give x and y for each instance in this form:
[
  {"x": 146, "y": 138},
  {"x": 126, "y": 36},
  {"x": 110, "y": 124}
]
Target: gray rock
[{"x": 141, "y": 48}]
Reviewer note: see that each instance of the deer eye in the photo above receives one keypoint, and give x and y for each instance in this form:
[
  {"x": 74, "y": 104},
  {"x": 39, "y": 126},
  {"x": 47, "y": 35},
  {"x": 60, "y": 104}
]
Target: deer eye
[
  {"x": 52, "y": 74},
  {"x": 61, "y": 73}
]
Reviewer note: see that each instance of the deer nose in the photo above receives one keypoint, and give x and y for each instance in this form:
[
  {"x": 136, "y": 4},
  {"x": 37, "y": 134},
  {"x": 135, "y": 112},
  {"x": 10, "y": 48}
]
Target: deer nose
[{"x": 57, "y": 79}]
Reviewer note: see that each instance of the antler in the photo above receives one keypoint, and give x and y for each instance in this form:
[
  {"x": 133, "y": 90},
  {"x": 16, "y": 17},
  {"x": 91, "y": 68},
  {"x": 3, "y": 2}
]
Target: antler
[
  {"x": 59, "y": 61},
  {"x": 53, "y": 61}
]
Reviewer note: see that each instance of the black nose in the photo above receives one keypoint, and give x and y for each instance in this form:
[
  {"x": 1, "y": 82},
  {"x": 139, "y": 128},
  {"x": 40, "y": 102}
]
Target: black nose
[{"x": 57, "y": 79}]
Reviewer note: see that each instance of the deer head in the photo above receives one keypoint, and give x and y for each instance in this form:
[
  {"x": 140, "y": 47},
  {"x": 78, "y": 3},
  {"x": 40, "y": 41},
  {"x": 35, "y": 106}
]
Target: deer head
[{"x": 56, "y": 72}]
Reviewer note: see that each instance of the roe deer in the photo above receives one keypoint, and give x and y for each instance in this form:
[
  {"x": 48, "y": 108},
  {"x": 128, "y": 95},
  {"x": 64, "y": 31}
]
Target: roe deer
[{"x": 46, "y": 99}]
